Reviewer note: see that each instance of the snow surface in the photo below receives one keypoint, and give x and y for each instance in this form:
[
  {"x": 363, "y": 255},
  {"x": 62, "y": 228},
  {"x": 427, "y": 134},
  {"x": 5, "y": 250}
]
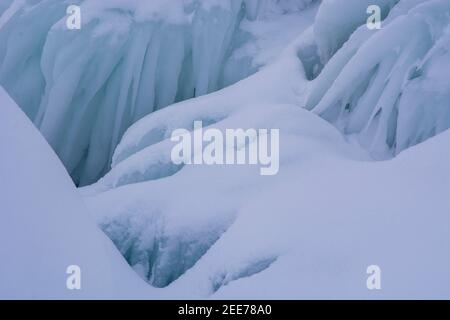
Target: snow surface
[
  {"x": 343, "y": 97},
  {"x": 309, "y": 232},
  {"x": 44, "y": 225}
]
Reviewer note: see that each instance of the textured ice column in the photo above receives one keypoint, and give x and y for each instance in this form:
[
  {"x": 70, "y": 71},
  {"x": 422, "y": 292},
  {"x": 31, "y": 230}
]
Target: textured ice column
[
  {"x": 363, "y": 87},
  {"x": 424, "y": 109},
  {"x": 258, "y": 8},
  {"x": 85, "y": 87},
  {"x": 212, "y": 30},
  {"x": 337, "y": 19},
  {"x": 23, "y": 32}
]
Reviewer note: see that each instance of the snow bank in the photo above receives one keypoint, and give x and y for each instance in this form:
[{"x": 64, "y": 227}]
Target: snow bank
[
  {"x": 45, "y": 227},
  {"x": 314, "y": 231}
]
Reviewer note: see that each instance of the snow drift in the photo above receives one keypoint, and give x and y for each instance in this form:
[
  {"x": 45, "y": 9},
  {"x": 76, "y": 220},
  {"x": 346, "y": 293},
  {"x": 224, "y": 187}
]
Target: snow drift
[
  {"x": 309, "y": 232},
  {"x": 44, "y": 225}
]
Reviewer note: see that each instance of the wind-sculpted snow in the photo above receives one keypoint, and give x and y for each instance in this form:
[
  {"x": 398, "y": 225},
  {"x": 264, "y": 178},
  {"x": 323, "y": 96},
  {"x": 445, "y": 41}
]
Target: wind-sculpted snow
[
  {"x": 221, "y": 231},
  {"x": 385, "y": 86},
  {"x": 162, "y": 237},
  {"x": 144, "y": 152},
  {"x": 86, "y": 87}
]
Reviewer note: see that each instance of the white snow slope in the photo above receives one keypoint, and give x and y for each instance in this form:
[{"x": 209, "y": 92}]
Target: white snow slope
[{"x": 45, "y": 226}]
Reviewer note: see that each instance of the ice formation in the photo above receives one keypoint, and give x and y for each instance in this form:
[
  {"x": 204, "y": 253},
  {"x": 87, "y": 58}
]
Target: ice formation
[
  {"x": 387, "y": 86},
  {"x": 225, "y": 231},
  {"x": 86, "y": 87}
]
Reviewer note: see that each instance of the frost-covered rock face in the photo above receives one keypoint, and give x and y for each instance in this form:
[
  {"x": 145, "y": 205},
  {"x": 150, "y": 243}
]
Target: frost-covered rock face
[
  {"x": 389, "y": 87},
  {"x": 85, "y": 88}
]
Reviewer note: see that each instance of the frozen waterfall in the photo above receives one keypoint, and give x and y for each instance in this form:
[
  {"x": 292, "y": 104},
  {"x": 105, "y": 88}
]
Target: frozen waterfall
[{"x": 130, "y": 58}]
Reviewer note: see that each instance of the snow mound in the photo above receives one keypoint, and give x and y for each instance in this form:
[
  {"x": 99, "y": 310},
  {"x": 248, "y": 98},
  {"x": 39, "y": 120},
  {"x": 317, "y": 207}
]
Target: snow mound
[
  {"x": 45, "y": 227},
  {"x": 226, "y": 232},
  {"x": 162, "y": 236},
  {"x": 164, "y": 226},
  {"x": 312, "y": 236},
  {"x": 144, "y": 152}
]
